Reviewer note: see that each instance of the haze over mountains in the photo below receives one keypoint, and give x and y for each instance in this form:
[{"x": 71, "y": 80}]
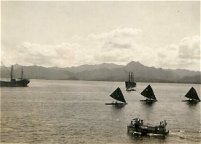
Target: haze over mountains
[{"x": 106, "y": 72}]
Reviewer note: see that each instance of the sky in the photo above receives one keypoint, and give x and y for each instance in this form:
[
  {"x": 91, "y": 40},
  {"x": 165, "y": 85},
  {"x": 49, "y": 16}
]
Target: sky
[{"x": 63, "y": 34}]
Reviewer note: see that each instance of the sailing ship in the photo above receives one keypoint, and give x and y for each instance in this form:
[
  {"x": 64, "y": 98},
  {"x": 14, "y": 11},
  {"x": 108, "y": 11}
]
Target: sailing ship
[
  {"x": 22, "y": 82},
  {"x": 138, "y": 128},
  {"x": 130, "y": 84},
  {"x": 119, "y": 97},
  {"x": 149, "y": 94},
  {"x": 192, "y": 96}
]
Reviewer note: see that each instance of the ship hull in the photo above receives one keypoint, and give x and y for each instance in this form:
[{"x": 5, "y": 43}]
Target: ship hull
[
  {"x": 130, "y": 84},
  {"x": 14, "y": 83}
]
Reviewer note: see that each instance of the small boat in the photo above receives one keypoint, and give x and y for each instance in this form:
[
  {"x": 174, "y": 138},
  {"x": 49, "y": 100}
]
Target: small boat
[
  {"x": 119, "y": 97},
  {"x": 130, "y": 84},
  {"x": 15, "y": 82},
  {"x": 192, "y": 96},
  {"x": 149, "y": 94},
  {"x": 138, "y": 128}
]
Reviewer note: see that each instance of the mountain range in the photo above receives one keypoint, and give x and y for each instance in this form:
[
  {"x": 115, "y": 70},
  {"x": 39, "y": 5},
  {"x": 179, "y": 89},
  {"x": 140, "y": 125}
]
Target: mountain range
[{"x": 106, "y": 72}]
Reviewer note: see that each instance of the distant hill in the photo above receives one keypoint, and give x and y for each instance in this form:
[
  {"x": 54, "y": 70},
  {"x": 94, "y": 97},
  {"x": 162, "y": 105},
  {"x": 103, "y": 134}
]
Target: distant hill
[
  {"x": 39, "y": 72},
  {"x": 93, "y": 67},
  {"x": 107, "y": 72},
  {"x": 191, "y": 79}
]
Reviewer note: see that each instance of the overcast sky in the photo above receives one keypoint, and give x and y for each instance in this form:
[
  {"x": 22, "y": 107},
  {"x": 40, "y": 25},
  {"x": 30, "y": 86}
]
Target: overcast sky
[{"x": 63, "y": 34}]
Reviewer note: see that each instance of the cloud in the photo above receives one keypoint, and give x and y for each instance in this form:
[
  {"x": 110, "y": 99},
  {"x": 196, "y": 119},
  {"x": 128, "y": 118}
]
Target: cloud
[
  {"x": 184, "y": 55},
  {"x": 46, "y": 55},
  {"x": 118, "y": 46},
  {"x": 168, "y": 56},
  {"x": 189, "y": 48},
  {"x": 115, "y": 56},
  {"x": 120, "y": 38},
  {"x": 113, "y": 44},
  {"x": 117, "y": 33}
]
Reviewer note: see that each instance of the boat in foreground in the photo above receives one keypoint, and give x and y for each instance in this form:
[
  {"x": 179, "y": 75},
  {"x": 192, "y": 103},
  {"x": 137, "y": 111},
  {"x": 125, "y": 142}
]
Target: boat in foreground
[
  {"x": 119, "y": 97},
  {"x": 138, "y": 128},
  {"x": 15, "y": 82},
  {"x": 192, "y": 96}
]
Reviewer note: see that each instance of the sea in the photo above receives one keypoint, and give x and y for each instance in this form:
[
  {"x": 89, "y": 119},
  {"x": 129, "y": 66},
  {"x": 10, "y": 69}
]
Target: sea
[{"x": 74, "y": 112}]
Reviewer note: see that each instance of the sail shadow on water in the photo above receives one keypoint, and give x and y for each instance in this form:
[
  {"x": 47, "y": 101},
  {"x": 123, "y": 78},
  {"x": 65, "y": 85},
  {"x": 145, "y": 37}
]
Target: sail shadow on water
[
  {"x": 192, "y": 104},
  {"x": 117, "y": 113},
  {"x": 118, "y": 96},
  {"x": 118, "y": 106},
  {"x": 147, "y": 104},
  {"x": 148, "y": 109},
  {"x": 148, "y": 93}
]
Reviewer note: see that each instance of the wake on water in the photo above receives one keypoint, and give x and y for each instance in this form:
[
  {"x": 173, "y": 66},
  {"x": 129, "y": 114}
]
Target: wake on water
[{"x": 189, "y": 136}]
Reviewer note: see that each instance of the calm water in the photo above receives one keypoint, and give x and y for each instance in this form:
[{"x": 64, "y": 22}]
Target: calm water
[{"x": 75, "y": 112}]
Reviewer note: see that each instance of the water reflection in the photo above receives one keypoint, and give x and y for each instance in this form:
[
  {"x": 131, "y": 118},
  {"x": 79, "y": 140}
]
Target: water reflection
[
  {"x": 147, "y": 109},
  {"x": 192, "y": 104},
  {"x": 148, "y": 139},
  {"x": 74, "y": 112},
  {"x": 148, "y": 104},
  {"x": 117, "y": 108}
]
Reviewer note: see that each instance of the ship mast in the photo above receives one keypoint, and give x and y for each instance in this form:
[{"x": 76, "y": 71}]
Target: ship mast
[
  {"x": 22, "y": 72},
  {"x": 11, "y": 73},
  {"x": 131, "y": 76}
]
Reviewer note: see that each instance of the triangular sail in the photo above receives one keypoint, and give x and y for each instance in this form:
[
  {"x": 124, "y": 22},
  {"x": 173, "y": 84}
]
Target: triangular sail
[
  {"x": 118, "y": 95},
  {"x": 192, "y": 94},
  {"x": 148, "y": 93}
]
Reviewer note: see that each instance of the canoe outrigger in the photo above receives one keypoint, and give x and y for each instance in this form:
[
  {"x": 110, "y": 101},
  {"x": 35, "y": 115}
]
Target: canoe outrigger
[{"x": 137, "y": 128}]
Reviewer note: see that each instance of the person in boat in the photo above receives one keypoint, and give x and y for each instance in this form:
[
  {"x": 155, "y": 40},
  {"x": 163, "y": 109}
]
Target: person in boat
[
  {"x": 165, "y": 123},
  {"x": 161, "y": 123},
  {"x": 136, "y": 125},
  {"x": 141, "y": 122}
]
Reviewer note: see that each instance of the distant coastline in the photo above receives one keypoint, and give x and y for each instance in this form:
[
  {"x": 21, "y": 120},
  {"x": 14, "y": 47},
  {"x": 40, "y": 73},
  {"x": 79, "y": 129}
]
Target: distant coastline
[{"x": 107, "y": 72}]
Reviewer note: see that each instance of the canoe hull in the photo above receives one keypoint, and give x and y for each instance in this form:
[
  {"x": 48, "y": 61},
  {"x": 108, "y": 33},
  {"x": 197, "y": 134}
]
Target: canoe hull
[{"x": 117, "y": 104}]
